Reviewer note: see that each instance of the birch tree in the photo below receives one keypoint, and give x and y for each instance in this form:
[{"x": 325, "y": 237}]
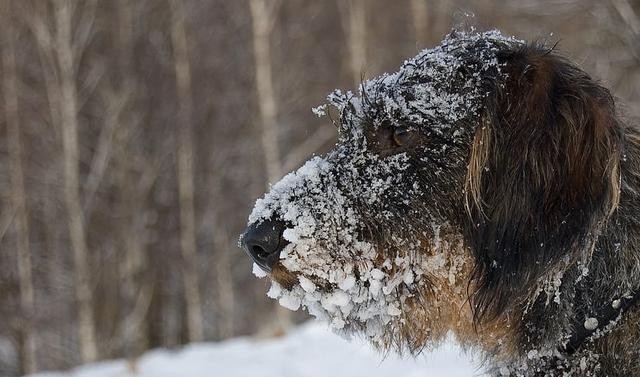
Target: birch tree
[
  {"x": 18, "y": 194},
  {"x": 354, "y": 20},
  {"x": 66, "y": 59},
  {"x": 185, "y": 156},
  {"x": 262, "y": 21},
  {"x": 60, "y": 48},
  {"x": 420, "y": 18},
  {"x": 263, "y": 15}
]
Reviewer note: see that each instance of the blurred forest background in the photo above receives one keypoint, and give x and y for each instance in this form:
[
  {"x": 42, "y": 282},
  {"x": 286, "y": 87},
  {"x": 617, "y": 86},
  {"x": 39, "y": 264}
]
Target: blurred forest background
[{"x": 135, "y": 136}]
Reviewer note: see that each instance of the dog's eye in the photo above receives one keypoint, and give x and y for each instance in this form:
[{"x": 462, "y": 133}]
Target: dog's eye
[{"x": 402, "y": 135}]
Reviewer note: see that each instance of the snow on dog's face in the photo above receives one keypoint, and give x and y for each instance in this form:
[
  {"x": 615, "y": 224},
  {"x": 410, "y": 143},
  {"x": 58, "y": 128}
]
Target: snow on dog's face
[{"x": 372, "y": 229}]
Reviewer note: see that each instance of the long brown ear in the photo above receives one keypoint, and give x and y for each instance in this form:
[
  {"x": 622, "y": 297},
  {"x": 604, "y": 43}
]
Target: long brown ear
[{"x": 543, "y": 176}]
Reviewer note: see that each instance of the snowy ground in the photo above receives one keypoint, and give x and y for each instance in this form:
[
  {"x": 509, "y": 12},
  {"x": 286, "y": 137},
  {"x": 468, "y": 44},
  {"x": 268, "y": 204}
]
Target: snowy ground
[{"x": 308, "y": 351}]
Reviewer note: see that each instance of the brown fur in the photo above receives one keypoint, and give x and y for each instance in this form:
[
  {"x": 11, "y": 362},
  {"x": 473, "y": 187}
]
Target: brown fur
[{"x": 549, "y": 157}]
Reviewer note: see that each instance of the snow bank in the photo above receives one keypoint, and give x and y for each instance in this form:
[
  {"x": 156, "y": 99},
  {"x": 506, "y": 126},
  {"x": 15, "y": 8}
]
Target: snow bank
[{"x": 308, "y": 351}]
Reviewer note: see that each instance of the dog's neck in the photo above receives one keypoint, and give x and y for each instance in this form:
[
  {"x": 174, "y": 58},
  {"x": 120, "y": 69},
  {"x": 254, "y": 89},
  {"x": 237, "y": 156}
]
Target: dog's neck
[{"x": 599, "y": 301}]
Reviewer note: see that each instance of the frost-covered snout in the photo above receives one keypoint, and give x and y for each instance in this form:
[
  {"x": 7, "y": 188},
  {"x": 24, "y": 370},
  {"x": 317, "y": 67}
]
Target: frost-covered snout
[
  {"x": 306, "y": 222},
  {"x": 335, "y": 237}
]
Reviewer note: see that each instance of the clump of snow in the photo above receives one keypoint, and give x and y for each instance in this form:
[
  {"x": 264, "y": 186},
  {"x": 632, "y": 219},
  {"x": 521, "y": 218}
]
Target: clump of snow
[
  {"x": 258, "y": 272},
  {"x": 352, "y": 281},
  {"x": 616, "y": 303},
  {"x": 591, "y": 323},
  {"x": 320, "y": 111}
]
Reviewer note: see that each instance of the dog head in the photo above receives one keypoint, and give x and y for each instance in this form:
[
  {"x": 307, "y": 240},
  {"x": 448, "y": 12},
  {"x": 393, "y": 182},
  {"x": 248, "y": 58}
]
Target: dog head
[{"x": 460, "y": 178}]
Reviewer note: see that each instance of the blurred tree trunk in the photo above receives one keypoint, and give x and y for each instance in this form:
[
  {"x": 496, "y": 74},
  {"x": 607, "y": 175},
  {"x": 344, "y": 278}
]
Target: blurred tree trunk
[
  {"x": 263, "y": 16},
  {"x": 420, "y": 14},
  {"x": 66, "y": 57},
  {"x": 18, "y": 195},
  {"x": 223, "y": 286},
  {"x": 55, "y": 223},
  {"x": 136, "y": 287},
  {"x": 354, "y": 18},
  {"x": 224, "y": 280},
  {"x": 443, "y": 21},
  {"x": 185, "y": 156},
  {"x": 262, "y": 20}
]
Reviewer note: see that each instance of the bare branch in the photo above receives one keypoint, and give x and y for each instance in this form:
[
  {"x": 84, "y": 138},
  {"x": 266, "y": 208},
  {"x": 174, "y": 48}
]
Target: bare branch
[
  {"x": 91, "y": 81},
  {"x": 310, "y": 145},
  {"x": 116, "y": 103},
  {"x": 128, "y": 327},
  {"x": 69, "y": 127},
  {"x": 37, "y": 22},
  {"x": 628, "y": 15},
  {"x": 6, "y": 219},
  {"x": 85, "y": 29}
]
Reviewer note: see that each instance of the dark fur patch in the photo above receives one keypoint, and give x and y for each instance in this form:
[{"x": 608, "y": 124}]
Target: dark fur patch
[{"x": 549, "y": 176}]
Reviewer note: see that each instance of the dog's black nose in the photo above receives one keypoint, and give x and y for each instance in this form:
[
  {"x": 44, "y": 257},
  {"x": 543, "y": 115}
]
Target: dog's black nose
[{"x": 264, "y": 242}]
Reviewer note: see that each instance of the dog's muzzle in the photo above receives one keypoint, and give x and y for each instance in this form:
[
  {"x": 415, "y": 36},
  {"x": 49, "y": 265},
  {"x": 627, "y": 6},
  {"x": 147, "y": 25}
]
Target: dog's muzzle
[{"x": 263, "y": 242}]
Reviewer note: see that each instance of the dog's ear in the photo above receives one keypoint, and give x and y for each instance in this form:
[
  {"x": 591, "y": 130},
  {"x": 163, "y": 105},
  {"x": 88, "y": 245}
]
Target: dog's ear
[{"x": 542, "y": 178}]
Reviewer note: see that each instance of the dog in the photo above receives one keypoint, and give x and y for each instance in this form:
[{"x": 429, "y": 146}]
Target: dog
[{"x": 488, "y": 188}]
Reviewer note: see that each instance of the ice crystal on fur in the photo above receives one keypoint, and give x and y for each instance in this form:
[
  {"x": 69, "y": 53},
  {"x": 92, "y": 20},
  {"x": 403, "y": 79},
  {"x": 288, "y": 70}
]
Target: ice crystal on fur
[{"x": 333, "y": 204}]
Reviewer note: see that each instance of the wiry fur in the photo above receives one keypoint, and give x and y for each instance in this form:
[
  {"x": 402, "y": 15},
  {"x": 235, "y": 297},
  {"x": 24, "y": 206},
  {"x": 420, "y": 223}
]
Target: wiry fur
[
  {"x": 554, "y": 221},
  {"x": 537, "y": 205}
]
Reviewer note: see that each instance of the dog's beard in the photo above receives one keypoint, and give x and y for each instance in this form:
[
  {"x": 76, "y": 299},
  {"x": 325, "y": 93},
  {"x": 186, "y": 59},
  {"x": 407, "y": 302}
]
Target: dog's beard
[
  {"x": 357, "y": 295},
  {"x": 364, "y": 291},
  {"x": 367, "y": 296}
]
